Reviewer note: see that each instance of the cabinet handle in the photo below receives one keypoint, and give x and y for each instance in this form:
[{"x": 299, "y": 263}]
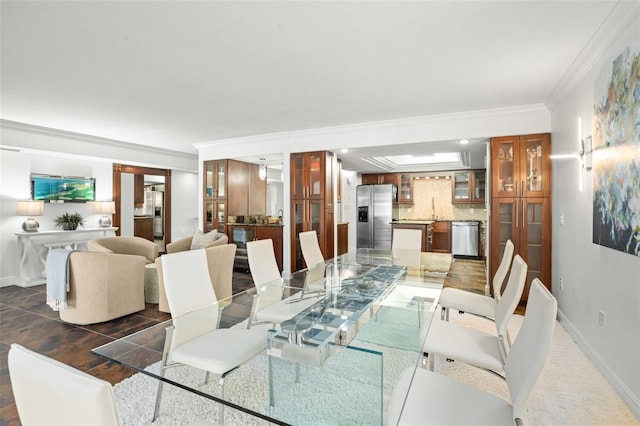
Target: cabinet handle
[
  {"x": 523, "y": 189},
  {"x": 523, "y": 212},
  {"x": 515, "y": 207}
]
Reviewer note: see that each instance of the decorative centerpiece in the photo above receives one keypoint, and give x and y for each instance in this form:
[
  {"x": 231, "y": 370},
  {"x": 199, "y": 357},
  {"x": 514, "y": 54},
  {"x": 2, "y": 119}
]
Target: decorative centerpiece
[{"x": 69, "y": 221}]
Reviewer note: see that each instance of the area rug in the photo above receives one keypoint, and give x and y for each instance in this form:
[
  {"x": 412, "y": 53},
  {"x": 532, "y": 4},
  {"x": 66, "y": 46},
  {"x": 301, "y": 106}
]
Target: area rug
[{"x": 570, "y": 390}]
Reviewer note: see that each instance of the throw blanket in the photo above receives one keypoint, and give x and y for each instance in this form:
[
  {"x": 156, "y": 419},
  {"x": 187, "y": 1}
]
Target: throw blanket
[{"x": 58, "y": 278}]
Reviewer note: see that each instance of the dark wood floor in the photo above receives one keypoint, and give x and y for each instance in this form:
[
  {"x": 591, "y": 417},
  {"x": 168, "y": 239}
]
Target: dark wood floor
[{"x": 27, "y": 320}]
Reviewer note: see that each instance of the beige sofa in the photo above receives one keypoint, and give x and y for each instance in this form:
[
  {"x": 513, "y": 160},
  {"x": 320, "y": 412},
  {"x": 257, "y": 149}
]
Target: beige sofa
[
  {"x": 220, "y": 261},
  {"x": 184, "y": 244},
  {"x": 125, "y": 245},
  {"x": 103, "y": 286}
]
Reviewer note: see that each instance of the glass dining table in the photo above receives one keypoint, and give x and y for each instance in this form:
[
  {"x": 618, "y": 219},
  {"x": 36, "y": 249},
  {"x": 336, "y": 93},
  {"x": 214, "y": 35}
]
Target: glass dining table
[{"x": 358, "y": 321}]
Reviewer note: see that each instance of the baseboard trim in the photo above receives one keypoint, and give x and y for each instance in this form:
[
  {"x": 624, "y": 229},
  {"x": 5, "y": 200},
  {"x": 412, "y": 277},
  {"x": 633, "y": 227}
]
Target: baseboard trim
[
  {"x": 620, "y": 387},
  {"x": 7, "y": 281}
]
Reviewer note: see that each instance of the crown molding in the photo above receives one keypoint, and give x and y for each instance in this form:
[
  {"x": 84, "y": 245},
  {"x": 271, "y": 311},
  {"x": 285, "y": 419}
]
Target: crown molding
[
  {"x": 31, "y": 128},
  {"x": 297, "y": 136},
  {"x": 622, "y": 17}
]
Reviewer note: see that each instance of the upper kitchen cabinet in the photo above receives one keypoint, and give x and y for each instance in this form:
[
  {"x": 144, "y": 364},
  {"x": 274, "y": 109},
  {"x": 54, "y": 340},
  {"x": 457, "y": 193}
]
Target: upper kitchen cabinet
[
  {"x": 138, "y": 190},
  {"x": 308, "y": 175},
  {"x": 405, "y": 188},
  {"x": 247, "y": 192},
  {"x": 312, "y": 202},
  {"x": 402, "y": 181},
  {"x": 214, "y": 195},
  {"x": 469, "y": 186},
  {"x": 521, "y": 166},
  {"x": 215, "y": 179},
  {"x": 257, "y": 192}
]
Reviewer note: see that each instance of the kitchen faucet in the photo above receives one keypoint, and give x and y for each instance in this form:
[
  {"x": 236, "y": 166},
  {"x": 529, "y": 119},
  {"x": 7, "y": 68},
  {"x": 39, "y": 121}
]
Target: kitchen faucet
[{"x": 433, "y": 208}]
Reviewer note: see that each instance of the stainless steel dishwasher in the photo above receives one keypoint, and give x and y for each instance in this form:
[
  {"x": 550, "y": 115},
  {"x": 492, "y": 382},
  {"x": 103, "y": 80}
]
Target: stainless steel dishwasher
[{"x": 464, "y": 238}]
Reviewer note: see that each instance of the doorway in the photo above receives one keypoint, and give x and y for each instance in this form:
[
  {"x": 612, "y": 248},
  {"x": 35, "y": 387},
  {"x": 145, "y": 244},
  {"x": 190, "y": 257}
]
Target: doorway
[{"x": 118, "y": 170}]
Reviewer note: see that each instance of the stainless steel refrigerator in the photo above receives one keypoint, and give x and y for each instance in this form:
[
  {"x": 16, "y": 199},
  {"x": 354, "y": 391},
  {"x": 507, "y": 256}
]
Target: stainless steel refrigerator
[{"x": 375, "y": 203}]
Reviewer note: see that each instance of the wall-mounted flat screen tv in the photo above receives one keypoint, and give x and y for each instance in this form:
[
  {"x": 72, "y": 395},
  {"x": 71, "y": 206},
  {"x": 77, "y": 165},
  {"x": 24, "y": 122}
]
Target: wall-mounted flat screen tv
[{"x": 63, "y": 188}]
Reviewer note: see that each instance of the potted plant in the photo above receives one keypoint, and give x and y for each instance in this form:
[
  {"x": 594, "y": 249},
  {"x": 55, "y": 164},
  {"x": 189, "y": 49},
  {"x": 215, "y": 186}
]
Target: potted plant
[{"x": 69, "y": 221}]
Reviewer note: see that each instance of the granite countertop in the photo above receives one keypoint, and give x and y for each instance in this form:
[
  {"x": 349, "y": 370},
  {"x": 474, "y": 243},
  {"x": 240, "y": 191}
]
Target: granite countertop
[
  {"x": 414, "y": 221},
  {"x": 253, "y": 224}
]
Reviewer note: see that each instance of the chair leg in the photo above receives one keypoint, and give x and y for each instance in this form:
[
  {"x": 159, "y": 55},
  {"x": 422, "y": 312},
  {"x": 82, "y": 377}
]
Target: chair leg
[
  {"x": 221, "y": 411},
  {"x": 163, "y": 367}
]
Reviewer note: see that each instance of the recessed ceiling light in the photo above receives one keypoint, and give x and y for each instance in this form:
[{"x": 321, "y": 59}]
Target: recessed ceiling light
[
  {"x": 464, "y": 141},
  {"x": 344, "y": 150}
]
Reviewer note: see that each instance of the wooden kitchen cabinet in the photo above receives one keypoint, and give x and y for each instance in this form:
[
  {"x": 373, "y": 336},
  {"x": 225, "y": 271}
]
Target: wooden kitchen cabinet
[
  {"x": 380, "y": 178},
  {"x": 469, "y": 187},
  {"x": 405, "y": 188},
  {"x": 521, "y": 166},
  {"x": 138, "y": 190},
  {"x": 214, "y": 195},
  {"x": 247, "y": 192},
  {"x": 143, "y": 227},
  {"x": 402, "y": 181},
  {"x": 343, "y": 238},
  {"x": 312, "y": 202},
  {"x": 441, "y": 236},
  {"x": 521, "y": 204}
]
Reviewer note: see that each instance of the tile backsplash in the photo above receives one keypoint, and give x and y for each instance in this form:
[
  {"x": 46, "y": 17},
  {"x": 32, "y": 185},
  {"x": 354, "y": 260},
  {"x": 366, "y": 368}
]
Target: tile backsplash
[{"x": 434, "y": 195}]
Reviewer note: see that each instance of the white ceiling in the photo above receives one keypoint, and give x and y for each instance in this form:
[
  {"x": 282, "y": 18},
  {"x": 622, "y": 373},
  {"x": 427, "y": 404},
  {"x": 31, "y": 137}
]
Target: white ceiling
[{"x": 173, "y": 73}]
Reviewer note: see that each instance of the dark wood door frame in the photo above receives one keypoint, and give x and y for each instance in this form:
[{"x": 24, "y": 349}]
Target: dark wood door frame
[{"x": 118, "y": 169}]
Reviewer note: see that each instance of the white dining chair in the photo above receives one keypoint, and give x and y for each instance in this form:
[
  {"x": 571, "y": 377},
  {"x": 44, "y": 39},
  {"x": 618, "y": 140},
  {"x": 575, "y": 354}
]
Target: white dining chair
[
  {"x": 407, "y": 239},
  {"x": 49, "y": 392},
  {"x": 310, "y": 248},
  {"x": 473, "y": 303},
  {"x": 270, "y": 304},
  {"x": 475, "y": 347},
  {"x": 422, "y": 397},
  {"x": 194, "y": 338}
]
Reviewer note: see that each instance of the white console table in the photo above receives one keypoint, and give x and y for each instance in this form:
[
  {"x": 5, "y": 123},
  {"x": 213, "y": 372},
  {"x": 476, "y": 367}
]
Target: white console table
[{"x": 34, "y": 247}]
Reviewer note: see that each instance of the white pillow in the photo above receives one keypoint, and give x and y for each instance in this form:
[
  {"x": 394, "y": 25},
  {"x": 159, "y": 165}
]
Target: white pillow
[{"x": 201, "y": 240}]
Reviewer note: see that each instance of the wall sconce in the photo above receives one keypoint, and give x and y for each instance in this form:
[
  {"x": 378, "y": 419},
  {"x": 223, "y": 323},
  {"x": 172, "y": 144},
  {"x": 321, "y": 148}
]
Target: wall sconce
[
  {"x": 30, "y": 208},
  {"x": 107, "y": 208},
  {"x": 262, "y": 171}
]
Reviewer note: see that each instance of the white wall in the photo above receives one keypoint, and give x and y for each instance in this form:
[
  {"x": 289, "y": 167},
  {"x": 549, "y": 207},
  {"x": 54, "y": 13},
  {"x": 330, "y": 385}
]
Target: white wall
[
  {"x": 16, "y": 167},
  {"x": 595, "y": 278},
  {"x": 185, "y": 194}
]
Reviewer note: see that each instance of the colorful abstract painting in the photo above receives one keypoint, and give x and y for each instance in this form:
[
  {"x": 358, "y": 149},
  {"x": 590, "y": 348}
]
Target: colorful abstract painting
[{"x": 616, "y": 154}]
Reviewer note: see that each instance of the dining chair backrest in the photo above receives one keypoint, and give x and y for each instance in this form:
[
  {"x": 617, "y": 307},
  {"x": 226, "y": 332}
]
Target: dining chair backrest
[
  {"x": 510, "y": 299},
  {"x": 190, "y": 295},
  {"x": 220, "y": 261},
  {"x": 262, "y": 262},
  {"x": 310, "y": 248},
  {"x": 407, "y": 239},
  {"x": 49, "y": 392},
  {"x": 531, "y": 348},
  {"x": 503, "y": 269}
]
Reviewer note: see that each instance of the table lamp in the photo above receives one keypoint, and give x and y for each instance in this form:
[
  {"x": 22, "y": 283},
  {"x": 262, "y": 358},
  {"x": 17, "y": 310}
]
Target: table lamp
[
  {"x": 107, "y": 208},
  {"x": 30, "y": 208}
]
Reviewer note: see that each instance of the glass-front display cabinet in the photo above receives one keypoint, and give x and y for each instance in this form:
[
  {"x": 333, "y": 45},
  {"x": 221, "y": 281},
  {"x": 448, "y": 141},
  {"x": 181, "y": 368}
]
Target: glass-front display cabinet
[
  {"x": 214, "y": 197},
  {"x": 521, "y": 203},
  {"x": 521, "y": 166}
]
